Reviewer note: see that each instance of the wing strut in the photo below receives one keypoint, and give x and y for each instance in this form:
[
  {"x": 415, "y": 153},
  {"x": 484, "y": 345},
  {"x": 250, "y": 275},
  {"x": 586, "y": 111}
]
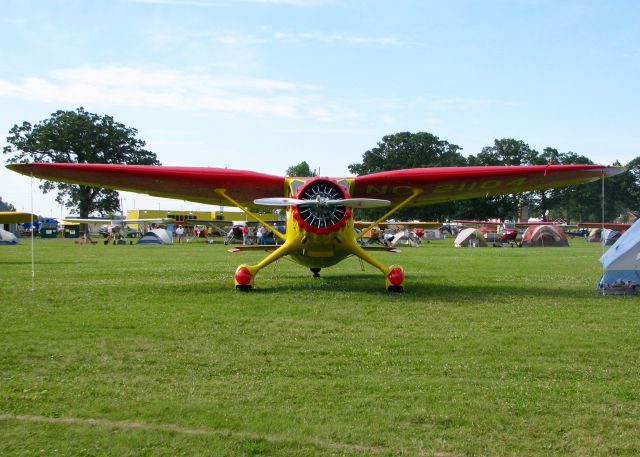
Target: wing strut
[
  {"x": 223, "y": 194},
  {"x": 416, "y": 191}
]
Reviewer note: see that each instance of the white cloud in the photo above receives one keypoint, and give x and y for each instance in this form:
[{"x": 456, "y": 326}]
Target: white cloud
[
  {"x": 234, "y": 2},
  {"x": 7, "y": 89},
  {"x": 177, "y": 89},
  {"x": 324, "y": 37},
  {"x": 387, "y": 120},
  {"x": 458, "y": 103}
]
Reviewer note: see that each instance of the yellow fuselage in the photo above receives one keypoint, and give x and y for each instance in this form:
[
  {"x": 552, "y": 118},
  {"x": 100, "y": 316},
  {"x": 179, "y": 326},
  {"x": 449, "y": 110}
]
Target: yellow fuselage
[{"x": 319, "y": 250}]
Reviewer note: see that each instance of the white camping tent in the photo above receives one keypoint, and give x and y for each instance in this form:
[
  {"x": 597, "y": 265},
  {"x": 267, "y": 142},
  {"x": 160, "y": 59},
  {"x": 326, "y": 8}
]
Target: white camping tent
[
  {"x": 406, "y": 237},
  {"x": 622, "y": 264},
  {"x": 8, "y": 237},
  {"x": 609, "y": 236},
  {"x": 432, "y": 234},
  {"x": 156, "y": 236},
  {"x": 469, "y": 237}
]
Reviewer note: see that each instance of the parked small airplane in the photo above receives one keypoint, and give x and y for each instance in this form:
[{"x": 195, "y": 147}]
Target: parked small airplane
[
  {"x": 505, "y": 231},
  {"x": 608, "y": 225},
  {"x": 392, "y": 233},
  {"x": 320, "y": 225},
  {"x": 494, "y": 231},
  {"x": 116, "y": 227}
]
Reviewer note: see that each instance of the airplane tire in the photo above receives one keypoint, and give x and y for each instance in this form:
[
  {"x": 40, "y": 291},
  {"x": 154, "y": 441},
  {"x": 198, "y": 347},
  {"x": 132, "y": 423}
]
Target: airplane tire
[
  {"x": 316, "y": 272},
  {"x": 246, "y": 288},
  {"x": 395, "y": 289}
]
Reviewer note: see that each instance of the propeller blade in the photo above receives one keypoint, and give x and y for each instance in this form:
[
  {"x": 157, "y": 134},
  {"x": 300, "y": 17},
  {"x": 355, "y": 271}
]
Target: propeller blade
[
  {"x": 360, "y": 202},
  {"x": 351, "y": 202},
  {"x": 279, "y": 201}
]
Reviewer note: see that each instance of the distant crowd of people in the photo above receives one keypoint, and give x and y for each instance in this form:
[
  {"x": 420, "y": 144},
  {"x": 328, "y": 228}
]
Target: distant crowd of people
[{"x": 249, "y": 235}]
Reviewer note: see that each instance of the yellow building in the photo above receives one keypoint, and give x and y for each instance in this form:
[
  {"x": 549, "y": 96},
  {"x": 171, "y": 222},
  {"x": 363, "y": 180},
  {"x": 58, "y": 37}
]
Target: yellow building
[{"x": 194, "y": 216}]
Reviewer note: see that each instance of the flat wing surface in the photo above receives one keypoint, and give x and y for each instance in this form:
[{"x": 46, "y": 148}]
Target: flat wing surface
[
  {"x": 16, "y": 217},
  {"x": 195, "y": 184},
  {"x": 98, "y": 220},
  {"x": 255, "y": 247},
  {"x": 608, "y": 225},
  {"x": 475, "y": 223},
  {"x": 157, "y": 220},
  {"x": 416, "y": 224},
  {"x": 443, "y": 184},
  {"x": 89, "y": 220},
  {"x": 381, "y": 248}
]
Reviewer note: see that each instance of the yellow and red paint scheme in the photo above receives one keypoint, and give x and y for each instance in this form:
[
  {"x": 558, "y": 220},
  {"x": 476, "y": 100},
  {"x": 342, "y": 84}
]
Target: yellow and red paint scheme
[
  {"x": 317, "y": 247},
  {"x": 313, "y": 245}
]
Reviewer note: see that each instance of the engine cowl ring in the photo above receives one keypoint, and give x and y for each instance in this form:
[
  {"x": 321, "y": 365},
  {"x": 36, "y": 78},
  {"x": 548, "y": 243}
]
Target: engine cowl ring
[{"x": 321, "y": 218}]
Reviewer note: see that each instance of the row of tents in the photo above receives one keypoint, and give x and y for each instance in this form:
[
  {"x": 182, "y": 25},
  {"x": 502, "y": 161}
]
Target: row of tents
[
  {"x": 621, "y": 262},
  {"x": 540, "y": 235},
  {"x": 534, "y": 236},
  {"x": 156, "y": 236}
]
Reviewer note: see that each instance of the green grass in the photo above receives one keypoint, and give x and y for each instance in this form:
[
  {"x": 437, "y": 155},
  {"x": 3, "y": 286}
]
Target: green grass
[{"x": 148, "y": 351}]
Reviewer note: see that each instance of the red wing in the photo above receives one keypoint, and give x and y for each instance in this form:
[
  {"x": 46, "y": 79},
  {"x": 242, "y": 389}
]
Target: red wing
[
  {"x": 608, "y": 225},
  {"x": 468, "y": 222},
  {"x": 183, "y": 183},
  {"x": 459, "y": 183}
]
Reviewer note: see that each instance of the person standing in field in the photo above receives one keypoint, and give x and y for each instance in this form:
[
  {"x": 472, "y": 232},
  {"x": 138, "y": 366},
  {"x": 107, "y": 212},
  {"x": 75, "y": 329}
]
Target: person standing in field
[
  {"x": 245, "y": 234},
  {"x": 180, "y": 233}
]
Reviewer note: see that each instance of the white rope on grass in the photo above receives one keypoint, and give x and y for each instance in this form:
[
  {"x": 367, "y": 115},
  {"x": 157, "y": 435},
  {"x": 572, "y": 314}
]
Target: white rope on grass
[
  {"x": 277, "y": 438},
  {"x": 602, "y": 231},
  {"x": 33, "y": 248}
]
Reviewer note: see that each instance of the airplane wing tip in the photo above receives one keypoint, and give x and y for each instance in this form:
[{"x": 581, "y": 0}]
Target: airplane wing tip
[
  {"x": 15, "y": 166},
  {"x": 609, "y": 171},
  {"x": 23, "y": 168},
  {"x": 612, "y": 171}
]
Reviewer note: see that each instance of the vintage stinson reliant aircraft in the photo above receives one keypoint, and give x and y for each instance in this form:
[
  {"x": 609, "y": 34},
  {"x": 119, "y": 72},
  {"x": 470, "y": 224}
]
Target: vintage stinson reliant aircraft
[{"x": 320, "y": 226}]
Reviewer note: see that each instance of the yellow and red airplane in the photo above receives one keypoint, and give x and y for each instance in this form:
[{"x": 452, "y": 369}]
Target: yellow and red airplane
[{"x": 320, "y": 225}]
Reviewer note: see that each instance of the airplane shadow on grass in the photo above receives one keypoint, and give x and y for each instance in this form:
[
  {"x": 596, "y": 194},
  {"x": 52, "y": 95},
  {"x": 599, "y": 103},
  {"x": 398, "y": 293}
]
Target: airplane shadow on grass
[{"x": 373, "y": 285}]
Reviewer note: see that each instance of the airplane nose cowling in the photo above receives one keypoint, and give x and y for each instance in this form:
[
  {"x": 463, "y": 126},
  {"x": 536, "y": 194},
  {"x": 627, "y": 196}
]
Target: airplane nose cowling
[{"x": 321, "y": 218}]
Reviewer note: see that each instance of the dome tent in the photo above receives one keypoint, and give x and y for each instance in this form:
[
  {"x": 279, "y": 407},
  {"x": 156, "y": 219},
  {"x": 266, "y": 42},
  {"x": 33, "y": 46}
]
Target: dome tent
[
  {"x": 8, "y": 237},
  {"x": 156, "y": 236},
  {"x": 469, "y": 237},
  {"x": 594, "y": 235},
  {"x": 621, "y": 263},
  {"x": 609, "y": 237},
  {"x": 544, "y": 236}
]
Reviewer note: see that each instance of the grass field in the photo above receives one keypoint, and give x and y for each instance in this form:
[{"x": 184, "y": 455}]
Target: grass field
[{"x": 148, "y": 351}]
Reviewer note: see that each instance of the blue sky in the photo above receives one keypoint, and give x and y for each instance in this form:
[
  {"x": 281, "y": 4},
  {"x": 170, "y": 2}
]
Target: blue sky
[{"x": 265, "y": 84}]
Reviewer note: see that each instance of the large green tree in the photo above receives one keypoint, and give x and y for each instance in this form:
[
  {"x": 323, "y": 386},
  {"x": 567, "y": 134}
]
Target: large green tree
[
  {"x": 412, "y": 150},
  {"x": 79, "y": 137},
  {"x": 6, "y": 206},
  {"x": 302, "y": 170},
  {"x": 505, "y": 151},
  {"x": 408, "y": 150}
]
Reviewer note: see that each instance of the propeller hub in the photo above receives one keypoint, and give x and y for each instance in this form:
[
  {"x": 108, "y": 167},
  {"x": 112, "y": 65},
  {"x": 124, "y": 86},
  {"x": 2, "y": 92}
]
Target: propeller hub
[{"x": 321, "y": 217}]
